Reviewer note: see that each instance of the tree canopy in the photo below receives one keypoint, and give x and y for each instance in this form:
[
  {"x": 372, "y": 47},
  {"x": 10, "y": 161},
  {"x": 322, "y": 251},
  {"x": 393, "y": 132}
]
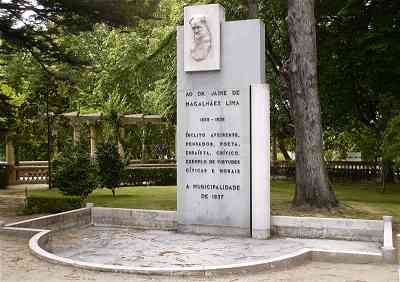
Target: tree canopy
[
  {"x": 120, "y": 56},
  {"x": 35, "y": 25}
]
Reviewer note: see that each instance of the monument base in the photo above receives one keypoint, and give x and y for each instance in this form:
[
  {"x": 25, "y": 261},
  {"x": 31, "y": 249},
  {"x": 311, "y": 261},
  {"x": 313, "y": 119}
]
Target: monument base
[
  {"x": 213, "y": 230},
  {"x": 261, "y": 234}
]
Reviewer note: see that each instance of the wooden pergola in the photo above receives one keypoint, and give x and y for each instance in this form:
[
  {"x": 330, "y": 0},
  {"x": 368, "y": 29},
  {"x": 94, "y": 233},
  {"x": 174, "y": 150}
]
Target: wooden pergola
[
  {"x": 36, "y": 171},
  {"x": 94, "y": 119}
]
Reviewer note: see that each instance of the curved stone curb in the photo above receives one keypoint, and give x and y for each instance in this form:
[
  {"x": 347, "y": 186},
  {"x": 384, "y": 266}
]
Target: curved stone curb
[
  {"x": 282, "y": 262},
  {"x": 41, "y": 230}
]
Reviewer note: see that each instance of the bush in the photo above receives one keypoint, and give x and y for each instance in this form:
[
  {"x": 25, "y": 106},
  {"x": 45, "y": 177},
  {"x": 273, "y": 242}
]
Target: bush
[
  {"x": 3, "y": 176},
  {"x": 110, "y": 166},
  {"x": 150, "y": 176},
  {"x": 392, "y": 142},
  {"x": 74, "y": 173},
  {"x": 51, "y": 203}
]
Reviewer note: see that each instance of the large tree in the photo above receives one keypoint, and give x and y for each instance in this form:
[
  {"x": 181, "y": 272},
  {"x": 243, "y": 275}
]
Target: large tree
[
  {"x": 293, "y": 73},
  {"x": 312, "y": 183}
]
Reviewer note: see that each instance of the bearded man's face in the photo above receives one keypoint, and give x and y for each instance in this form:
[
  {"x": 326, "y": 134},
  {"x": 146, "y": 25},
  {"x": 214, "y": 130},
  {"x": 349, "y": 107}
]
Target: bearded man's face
[
  {"x": 201, "y": 45},
  {"x": 199, "y": 30}
]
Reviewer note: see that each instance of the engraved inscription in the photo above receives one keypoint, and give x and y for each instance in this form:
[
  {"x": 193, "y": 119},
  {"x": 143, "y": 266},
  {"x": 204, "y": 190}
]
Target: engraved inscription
[{"x": 213, "y": 150}]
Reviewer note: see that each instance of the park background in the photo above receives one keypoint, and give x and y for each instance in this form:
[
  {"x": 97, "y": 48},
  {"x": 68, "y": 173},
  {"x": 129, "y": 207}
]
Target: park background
[{"x": 122, "y": 61}]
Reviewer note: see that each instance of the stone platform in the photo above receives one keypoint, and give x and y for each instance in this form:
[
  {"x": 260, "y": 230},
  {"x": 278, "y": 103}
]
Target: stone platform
[
  {"x": 146, "y": 242},
  {"x": 168, "y": 252}
]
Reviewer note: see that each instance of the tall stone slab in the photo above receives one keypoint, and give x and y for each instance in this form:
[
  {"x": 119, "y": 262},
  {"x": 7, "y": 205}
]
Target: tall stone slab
[
  {"x": 260, "y": 160},
  {"x": 214, "y": 126}
]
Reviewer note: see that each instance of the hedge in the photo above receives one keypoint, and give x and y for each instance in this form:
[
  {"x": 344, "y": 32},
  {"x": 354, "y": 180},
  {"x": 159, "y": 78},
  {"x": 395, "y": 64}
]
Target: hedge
[
  {"x": 150, "y": 176},
  {"x": 3, "y": 176},
  {"x": 52, "y": 203}
]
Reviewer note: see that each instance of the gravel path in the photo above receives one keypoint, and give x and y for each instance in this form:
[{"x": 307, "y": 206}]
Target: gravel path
[
  {"x": 17, "y": 264},
  {"x": 8, "y": 208}
]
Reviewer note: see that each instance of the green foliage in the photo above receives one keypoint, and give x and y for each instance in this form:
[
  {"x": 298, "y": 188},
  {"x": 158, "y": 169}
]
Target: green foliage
[
  {"x": 115, "y": 58},
  {"x": 392, "y": 141},
  {"x": 3, "y": 176},
  {"x": 337, "y": 144},
  {"x": 115, "y": 106},
  {"x": 40, "y": 34},
  {"x": 359, "y": 67},
  {"x": 151, "y": 176},
  {"x": 2, "y": 151},
  {"x": 60, "y": 53},
  {"x": 74, "y": 173},
  {"x": 110, "y": 166},
  {"x": 113, "y": 55},
  {"x": 108, "y": 67},
  {"x": 28, "y": 89},
  {"x": 7, "y": 118},
  {"x": 368, "y": 142},
  {"x": 51, "y": 203}
]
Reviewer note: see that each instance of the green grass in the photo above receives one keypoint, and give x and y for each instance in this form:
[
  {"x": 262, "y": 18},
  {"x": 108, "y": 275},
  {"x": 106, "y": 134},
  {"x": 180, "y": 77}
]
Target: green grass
[
  {"x": 357, "y": 200},
  {"x": 154, "y": 198}
]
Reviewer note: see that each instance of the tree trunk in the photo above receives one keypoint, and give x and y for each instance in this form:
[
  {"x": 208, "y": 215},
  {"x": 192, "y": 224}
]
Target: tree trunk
[
  {"x": 312, "y": 183},
  {"x": 283, "y": 150},
  {"x": 252, "y": 6},
  {"x": 274, "y": 147}
]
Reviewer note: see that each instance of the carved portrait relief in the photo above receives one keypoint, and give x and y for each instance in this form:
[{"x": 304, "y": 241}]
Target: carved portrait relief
[
  {"x": 202, "y": 41},
  {"x": 202, "y": 37}
]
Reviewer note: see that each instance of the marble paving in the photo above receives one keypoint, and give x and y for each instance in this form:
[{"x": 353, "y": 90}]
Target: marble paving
[{"x": 156, "y": 248}]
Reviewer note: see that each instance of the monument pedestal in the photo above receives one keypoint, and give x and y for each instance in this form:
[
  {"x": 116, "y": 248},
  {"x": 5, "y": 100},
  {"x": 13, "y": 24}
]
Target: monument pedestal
[{"x": 222, "y": 125}]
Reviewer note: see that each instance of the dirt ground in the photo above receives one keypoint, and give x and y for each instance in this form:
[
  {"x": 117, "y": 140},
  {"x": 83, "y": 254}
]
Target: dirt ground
[{"x": 18, "y": 265}]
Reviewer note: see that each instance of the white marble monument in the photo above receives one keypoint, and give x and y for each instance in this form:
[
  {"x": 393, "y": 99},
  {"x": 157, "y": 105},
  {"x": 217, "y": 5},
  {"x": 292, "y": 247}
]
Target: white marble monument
[{"x": 222, "y": 125}]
